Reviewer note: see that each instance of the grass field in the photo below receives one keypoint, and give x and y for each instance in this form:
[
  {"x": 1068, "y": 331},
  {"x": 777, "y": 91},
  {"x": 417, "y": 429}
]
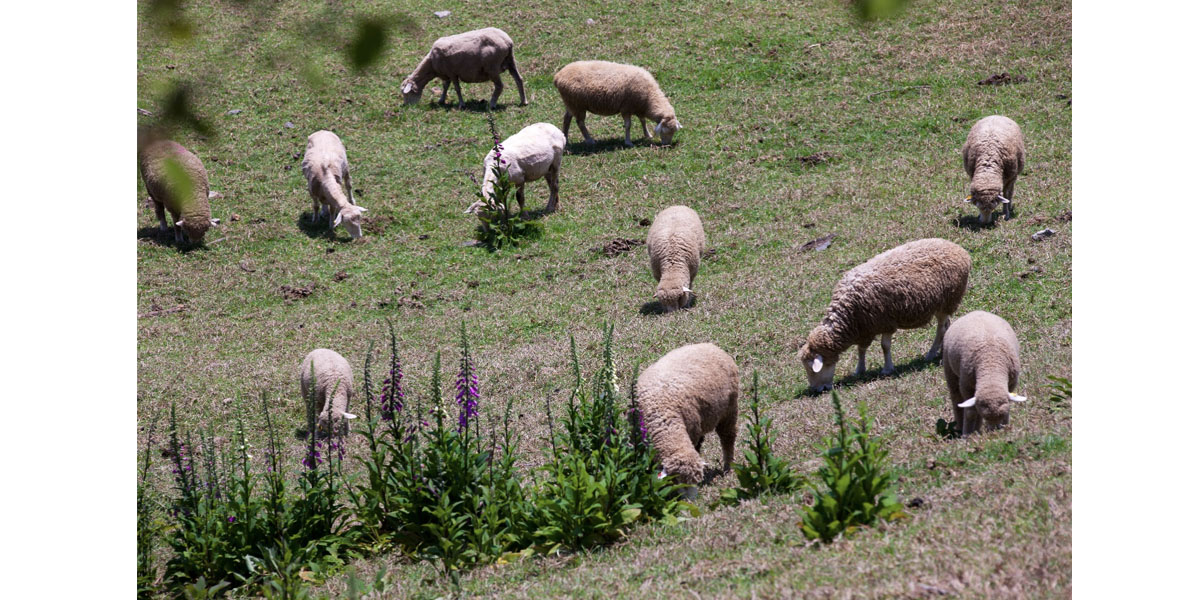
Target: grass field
[{"x": 798, "y": 122}]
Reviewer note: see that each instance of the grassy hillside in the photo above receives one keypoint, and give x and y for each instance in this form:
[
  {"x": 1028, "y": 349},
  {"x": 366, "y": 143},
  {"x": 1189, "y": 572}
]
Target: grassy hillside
[{"x": 798, "y": 122}]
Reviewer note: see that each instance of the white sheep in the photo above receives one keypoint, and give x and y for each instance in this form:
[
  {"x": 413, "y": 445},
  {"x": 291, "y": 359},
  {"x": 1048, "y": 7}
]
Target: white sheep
[
  {"x": 326, "y": 378},
  {"x": 902, "y": 288},
  {"x": 471, "y": 57},
  {"x": 328, "y": 174},
  {"x": 608, "y": 88},
  {"x": 690, "y": 391},
  {"x": 993, "y": 157},
  {"x": 161, "y": 163},
  {"x": 982, "y": 361},
  {"x": 528, "y": 155},
  {"x": 675, "y": 243}
]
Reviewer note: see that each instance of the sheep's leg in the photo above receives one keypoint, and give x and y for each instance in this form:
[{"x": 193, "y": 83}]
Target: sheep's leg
[
  {"x": 628, "y": 123},
  {"x": 458, "y": 90},
  {"x": 496, "y": 92},
  {"x": 161, "y": 213},
  {"x": 698, "y": 442},
  {"x": 512, "y": 68},
  {"x": 566, "y": 123},
  {"x": 886, "y": 341},
  {"x": 1008, "y": 193},
  {"x": 445, "y": 90},
  {"x": 645, "y": 132},
  {"x": 587, "y": 136},
  {"x": 317, "y": 206},
  {"x": 936, "y": 349},
  {"x": 956, "y": 398},
  {"x": 727, "y": 432},
  {"x": 862, "y": 360},
  {"x": 521, "y": 197},
  {"x": 552, "y": 182}
]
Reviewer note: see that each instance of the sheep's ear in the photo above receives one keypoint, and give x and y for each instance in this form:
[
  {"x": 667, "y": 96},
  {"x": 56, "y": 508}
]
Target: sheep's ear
[
  {"x": 967, "y": 199},
  {"x": 407, "y": 88},
  {"x": 969, "y": 403},
  {"x": 337, "y": 221},
  {"x": 818, "y": 362},
  {"x": 1016, "y": 398},
  {"x": 179, "y": 223},
  {"x": 662, "y": 474},
  {"x": 687, "y": 289},
  {"x": 214, "y": 221},
  {"x": 1003, "y": 200},
  {"x": 349, "y": 416},
  {"x": 678, "y": 125},
  {"x": 362, "y": 210}
]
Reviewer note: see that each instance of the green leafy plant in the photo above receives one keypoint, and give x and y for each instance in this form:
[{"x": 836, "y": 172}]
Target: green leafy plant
[
  {"x": 1060, "y": 392},
  {"x": 601, "y": 478},
  {"x": 147, "y": 531},
  {"x": 499, "y": 225},
  {"x": 762, "y": 472},
  {"x": 857, "y": 481}
]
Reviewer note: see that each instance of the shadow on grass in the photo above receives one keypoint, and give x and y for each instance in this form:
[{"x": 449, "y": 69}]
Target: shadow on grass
[
  {"x": 320, "y": 229},
  {"x": 971, "y": 222},
  {"x": 654, "y": 307},
  {"x": 475, "y": 106},
  {"x": 600, "y": 147},
  {"x": 916, "y": 364},
  {"x": 166, "y": 238}
]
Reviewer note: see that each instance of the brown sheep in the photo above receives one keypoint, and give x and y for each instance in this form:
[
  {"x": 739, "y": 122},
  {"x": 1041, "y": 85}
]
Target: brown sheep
[
  {"x": 902, "y": 288},
  {"x": 186, "y": 197},
  {"x": 690, "y": 391},
  {"x": 608, "y": 88},
  {"x": 471, "y": 57}
]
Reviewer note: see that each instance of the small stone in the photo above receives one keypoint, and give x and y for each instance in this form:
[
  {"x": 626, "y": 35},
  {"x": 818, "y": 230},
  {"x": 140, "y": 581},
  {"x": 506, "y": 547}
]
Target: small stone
[
  {"x": 441, "y": 14},
  {"x": 423, "y": 236},
  {"x": 233, "y": 112},
  {"x": 227, "y": 401},
  {"x": 144, "y": 112},
  {"x": 213, "y": 194},
  {"x": 289, "y": 125},
  {"x": 1043, "y": 234},
  {"x": 235, "y": 217},
  {"x": 590, "y": 21}
]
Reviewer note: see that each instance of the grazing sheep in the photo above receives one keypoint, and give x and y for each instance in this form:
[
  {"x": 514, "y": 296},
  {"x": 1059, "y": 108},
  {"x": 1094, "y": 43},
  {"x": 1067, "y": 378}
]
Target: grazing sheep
[
  {"x": 528, "y": 155},
  {"x": 607, "y": 88},
  {"x": 982, "y": 361},
  {"x": 675, "y": 242},
  {"x": 687, "y": 393},
  {"x": 326, "y": 377},
  {"x": 993, "y": 156},
  {"x": 898, "y": 289},
  {"x": 328, "y": 174},
  {"x": 471, "y": 57},
  {"x": 186, "y": 197}
]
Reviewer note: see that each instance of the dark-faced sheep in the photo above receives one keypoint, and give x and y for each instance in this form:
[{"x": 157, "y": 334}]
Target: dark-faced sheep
[
  {"x": 675, "y": 242},
  {"x": 902, "y": 288},
  {"x": 326, "y": 378},
  {"x": 690, "y": 391},
  {"x": 471, "y": 57},
  {"x": 993, "y": 156},
  {"x": 982, "y": 361},
  {"x": 328, "y": 174},
  {"x": 607, "y": 88},
  {"x": 177, "y": 182}
]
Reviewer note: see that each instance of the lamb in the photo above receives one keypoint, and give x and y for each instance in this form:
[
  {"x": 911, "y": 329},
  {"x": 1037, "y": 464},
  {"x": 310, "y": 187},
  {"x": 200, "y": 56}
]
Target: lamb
[
  {"x": 160, "y": 162},
  {"x": 901, "y": 288},
  {"x": 471, "y": 57},
  {"x": 607, "y": 88},
  {"x": 675, "y": 242},
  {"x": 993, "y": 156},
  {"x": 326, "y": 378},
  {"x": 528, "y": 155},
  {"x": 328, "y": 174},
  {"x": 982, "y": 362},
  {"x": 687, "y": 393}
]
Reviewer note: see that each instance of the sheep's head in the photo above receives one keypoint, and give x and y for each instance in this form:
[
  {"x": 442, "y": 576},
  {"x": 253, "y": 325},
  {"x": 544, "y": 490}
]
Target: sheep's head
[
  {"x": 350, "y": 217},
  {"x": 819, "y": 364},
  {"x": 687, "y": 470},
  {"x": 673, "y": 298},
  {"x": 195, "y": 228},
  {"x": 987, "y": 201},
  {"x": 412, "y": 91},
  {"x": 325, "y": 424},
  {"x": 990, "y": 409},
  {"x": 666, "y": 128}
]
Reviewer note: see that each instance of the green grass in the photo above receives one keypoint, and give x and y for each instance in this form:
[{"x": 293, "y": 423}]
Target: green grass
[{"x": 756, "y": 86}]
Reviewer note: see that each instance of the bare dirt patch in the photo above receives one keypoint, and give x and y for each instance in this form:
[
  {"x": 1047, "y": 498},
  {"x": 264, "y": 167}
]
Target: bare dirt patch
[
  {"x": 817, "y": 158},
  {"x": 618, "y": 246},
  {"x": 818, "y": 244},
  {"x": 292, "y": 292},
  {"x": 1003, "y": 79}
]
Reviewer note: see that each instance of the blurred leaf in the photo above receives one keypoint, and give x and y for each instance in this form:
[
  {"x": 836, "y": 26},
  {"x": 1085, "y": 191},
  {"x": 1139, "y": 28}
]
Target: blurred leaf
[
  {"x": 369, "y": 43},
  {"x": 178, "y": 110},
  {"x": 870, "y": 10},
  {"x": 178, "y": 181},
  {"x": 168, "y": 15}
]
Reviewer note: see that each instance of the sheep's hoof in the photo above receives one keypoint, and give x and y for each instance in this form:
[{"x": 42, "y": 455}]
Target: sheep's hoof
[{"x": 887, "y": 371}]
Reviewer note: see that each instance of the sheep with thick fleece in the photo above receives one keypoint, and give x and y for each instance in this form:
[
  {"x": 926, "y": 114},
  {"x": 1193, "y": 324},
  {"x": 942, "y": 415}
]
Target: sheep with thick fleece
[
  {"x": 675, "y": 242},
  {"x": 982, "y": 361},
  {"x": 993, "y": 156},
  {"x": 608, "y": 88},
  {"x": 528, "y": 155},
  {"x": 325, "y": 377},
  {"x": 162, "y": 163},
  {"x": 901, "y": 288},
  {"x": 328, "y": 174},
  {"x": 687, "y": 393},
  {"x": 471, "y": 57}
]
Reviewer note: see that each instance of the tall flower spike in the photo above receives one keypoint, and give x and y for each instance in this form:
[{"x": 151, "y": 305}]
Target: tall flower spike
[
  {"x": 466, "y": 388},
  {"x": 391, "y": 397}
]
